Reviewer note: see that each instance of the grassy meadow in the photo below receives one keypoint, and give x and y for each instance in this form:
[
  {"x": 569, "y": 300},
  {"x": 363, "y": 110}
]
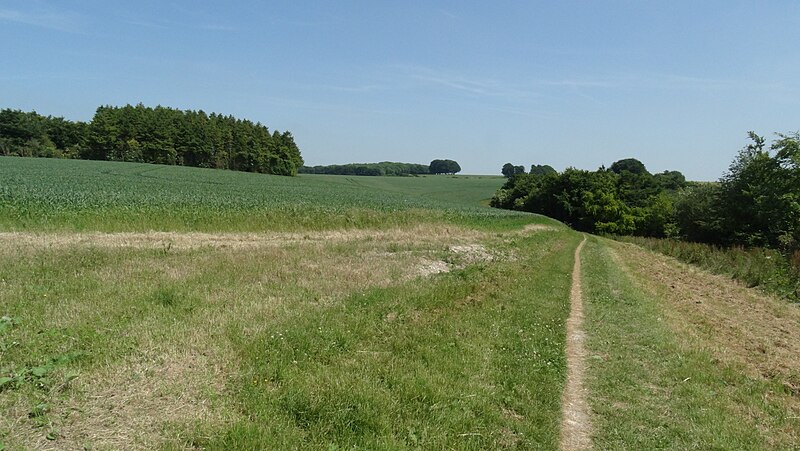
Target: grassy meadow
[
  {"x": 159, "y": 307},
  {"x": 165, "y": 307}
]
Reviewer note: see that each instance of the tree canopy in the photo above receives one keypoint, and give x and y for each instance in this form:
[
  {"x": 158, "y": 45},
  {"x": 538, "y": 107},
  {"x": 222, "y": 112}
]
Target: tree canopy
[
  {"x": 621, "y": 201},
  {"x": 444, "y": 167},
  {"x": 153, "y": 135},
  {"x": 755, "y": 203},
  {"x": 538, "y": 169}
]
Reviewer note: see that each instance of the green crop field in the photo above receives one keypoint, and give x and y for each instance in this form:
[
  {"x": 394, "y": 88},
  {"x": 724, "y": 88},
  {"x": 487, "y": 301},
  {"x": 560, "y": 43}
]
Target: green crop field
[
  {"x": 38, "y": 194},
  {"x": 160, "y": 307}
]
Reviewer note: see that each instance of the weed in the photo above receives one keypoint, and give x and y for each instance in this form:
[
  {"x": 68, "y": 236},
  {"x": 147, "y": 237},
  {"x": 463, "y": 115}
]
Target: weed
[{"x": 40, "y": 375}]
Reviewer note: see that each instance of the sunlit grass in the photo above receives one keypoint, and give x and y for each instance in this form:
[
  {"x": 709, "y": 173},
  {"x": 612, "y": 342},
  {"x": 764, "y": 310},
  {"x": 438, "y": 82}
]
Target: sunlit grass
[
  {"x": 650, "y": 386},
  {"x": 43, "y": 194}
]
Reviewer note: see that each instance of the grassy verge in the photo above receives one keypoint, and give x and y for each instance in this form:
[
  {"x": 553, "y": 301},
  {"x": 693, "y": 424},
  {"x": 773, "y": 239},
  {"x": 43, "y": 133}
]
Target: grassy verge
[
  {"x": 285, "y": 340},
  {"x": 471, "y": 360},
  {"x": 766, "y": 269},
  {"x": 652, "y": 385}
]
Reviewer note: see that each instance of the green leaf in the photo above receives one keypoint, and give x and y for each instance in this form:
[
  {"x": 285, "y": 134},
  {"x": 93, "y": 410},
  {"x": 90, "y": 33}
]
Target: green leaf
[
  {"x": 41, "y": 371},
  {"x": 7, "y": 322},
  {"x": 3, "y": 382}
]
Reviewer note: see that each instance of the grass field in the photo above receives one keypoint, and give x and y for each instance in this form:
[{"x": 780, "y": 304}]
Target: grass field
[
  {"x": 42, "y": 194},
  {"x": 151, "y": 307}
]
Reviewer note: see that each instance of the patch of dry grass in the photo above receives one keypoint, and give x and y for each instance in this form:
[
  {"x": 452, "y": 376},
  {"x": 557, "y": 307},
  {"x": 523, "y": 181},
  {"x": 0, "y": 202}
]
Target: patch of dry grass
[
  {"x": 173, "y": 299},
  {"x": 236, "y": 241}
]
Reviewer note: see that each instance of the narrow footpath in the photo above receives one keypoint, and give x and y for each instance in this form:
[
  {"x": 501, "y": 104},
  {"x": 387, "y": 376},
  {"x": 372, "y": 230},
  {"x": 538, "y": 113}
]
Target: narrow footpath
[{"x": 575, "y": 423}]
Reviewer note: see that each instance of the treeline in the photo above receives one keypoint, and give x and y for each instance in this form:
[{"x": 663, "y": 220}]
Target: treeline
[
  {"x": 385, "y": 168},
  {"x": 623, "y": 199},
  {"x": 374, "y": 169},
  {"x": 756, "y": 203},
  {"x": 152, "y": 135},
  {"x": 509, "y": 170}
]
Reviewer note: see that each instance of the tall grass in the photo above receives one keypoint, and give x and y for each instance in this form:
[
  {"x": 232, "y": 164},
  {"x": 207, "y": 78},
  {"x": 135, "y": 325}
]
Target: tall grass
[{"x": 766, "y": 269}]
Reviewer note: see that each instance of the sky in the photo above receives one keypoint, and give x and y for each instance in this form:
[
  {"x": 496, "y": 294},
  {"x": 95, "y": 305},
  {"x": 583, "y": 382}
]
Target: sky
[{"x": 675, "y": 84}]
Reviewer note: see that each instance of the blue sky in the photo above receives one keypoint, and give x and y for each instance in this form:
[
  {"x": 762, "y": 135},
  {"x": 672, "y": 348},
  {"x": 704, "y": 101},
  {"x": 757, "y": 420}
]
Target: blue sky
[{"x": 568, "y": 83}]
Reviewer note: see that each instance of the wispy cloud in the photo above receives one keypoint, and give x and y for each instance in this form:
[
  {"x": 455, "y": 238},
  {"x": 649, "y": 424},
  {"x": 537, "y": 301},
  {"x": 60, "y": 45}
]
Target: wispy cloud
[
  {"x": 359, "y": 88},
  {"x": 524, "y": 112},
  {"x": 45, "y": 17},
  {"x": 448, "y": 14},
  {"x": 328, "y": 107},
  {"x": 720, "y": 84},
  {"x": 576, "y": 83},
  {"x": 170, "y": 24},
  {"x": 216, "y": 27},
  {"x": 468, "y": 85},
  {"x": 144, "y": 24}
]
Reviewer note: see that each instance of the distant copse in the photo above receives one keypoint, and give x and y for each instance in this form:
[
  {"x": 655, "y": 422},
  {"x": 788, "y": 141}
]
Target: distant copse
[
  {"x": 629, "y": 164},
  {"x": 625, "y": 199},
  {"x": 542, "y": 169},
  {"x": 153, "y": 135},
  {"x": 375, "y": 169},
  {"x": 444, "y": 167},
  {"x": 509, "y": 170}
]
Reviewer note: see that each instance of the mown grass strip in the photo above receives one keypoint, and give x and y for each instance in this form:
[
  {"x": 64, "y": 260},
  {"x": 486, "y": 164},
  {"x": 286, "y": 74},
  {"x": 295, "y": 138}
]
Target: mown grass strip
[{"x": 650, "y": 389}]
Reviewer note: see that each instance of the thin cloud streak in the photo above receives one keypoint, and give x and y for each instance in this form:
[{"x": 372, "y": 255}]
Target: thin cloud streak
[
  {"x": 50, "y": 19},
  {"x": 169, "y": 25},
  {"x": 316, "y": 106},
  {"x": 472, "y": 86}
]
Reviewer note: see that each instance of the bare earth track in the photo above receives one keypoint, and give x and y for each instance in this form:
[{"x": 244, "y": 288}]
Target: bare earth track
[{"x": 575, "y": 424}]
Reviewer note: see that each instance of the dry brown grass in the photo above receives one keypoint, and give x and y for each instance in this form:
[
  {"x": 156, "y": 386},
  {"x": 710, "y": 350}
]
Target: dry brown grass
[
  {"x": 236, "y": 241},
  {"x": 533, "y": 228},
  {"x": 177, "y": 376}
]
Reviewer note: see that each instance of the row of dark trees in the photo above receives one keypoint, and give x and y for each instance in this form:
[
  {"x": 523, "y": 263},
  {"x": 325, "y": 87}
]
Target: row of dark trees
[
  {"x": 385, "y": 168},
  {"x": 756, "y": 203},
  {"x": 374, "y": 169},
  {"x": 509, "y": 170},
  {"x": 152, "y": 135}
]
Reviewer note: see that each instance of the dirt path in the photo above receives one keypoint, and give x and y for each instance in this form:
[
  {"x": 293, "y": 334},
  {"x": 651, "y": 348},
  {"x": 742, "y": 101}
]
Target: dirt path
[{"x": 575, "y": 424}]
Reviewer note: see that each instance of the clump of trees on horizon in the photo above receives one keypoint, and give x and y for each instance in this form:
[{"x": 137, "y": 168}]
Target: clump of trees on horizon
[
  {"x": 385, "y": 168},
  {"x": 159, "y": 135},
  {"x": 509, "y": 170},
  {"x": 756, "y": 203},
  {"x": 444, "y": 167},
  {"x": 368, "y": 169}
]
